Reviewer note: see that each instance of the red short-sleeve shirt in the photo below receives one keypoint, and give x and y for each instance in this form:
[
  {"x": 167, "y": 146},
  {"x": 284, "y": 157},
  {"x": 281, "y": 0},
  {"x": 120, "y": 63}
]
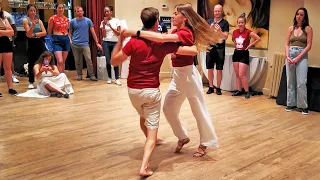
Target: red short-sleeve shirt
[
  {"x": 242, "y": 39},
  {"x": 186, "y": 37},
  {"x": 146, "y": 60}
]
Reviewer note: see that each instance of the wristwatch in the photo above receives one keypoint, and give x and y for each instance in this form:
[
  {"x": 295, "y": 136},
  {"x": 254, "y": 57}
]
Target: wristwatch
[{"x": 138, "y": 33}]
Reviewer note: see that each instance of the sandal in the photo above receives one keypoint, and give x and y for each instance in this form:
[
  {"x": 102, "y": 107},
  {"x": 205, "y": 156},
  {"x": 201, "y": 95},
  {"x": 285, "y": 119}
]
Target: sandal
[
  {"x": 181, "y": 143},
  {"x": 198, "y": 153}
]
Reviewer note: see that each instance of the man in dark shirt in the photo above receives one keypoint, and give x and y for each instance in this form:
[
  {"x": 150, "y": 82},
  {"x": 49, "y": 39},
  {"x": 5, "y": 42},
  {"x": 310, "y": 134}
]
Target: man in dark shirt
[{"x": 216, "y": 55}]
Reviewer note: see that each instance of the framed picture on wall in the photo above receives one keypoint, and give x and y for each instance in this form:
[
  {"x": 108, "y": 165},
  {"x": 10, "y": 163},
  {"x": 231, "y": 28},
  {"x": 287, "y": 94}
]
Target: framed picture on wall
[
  {"x": 257, "y": 14},
  {"x": 166, "y": 20}
]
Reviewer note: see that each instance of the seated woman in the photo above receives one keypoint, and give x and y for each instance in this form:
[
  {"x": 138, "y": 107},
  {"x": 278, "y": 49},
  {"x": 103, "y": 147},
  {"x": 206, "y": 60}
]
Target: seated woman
[{"x": 49, "y": 78}]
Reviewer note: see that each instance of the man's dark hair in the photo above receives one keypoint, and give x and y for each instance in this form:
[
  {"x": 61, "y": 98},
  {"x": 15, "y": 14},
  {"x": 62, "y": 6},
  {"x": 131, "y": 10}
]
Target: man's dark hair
[{"x": 149, "y": 17}]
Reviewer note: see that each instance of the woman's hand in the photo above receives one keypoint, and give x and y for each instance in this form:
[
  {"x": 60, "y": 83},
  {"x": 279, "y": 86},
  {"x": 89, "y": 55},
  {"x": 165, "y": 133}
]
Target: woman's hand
[
  {"x": 105, "y": 21},
  {"x": 29, "y": 34},
  {"x": 122, "y": 37},
  {"x": 108, "y": 24},
  {"x": 248, "y": 47},
  {"x": 216, "y": 27},
  {"x": 289, "y": 60},
  {"x": 295, "y": 60},
  {"x": 45, "y": 69},
  {"x": 235, "y": 44},
  {"x": 9, "y": 28},
  {"x": 34, "y": 23}
]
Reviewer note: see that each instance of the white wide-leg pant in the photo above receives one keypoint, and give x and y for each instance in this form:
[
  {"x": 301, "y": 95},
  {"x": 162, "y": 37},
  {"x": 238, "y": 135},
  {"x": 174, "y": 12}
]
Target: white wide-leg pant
[{"x": 187, "y": 83}]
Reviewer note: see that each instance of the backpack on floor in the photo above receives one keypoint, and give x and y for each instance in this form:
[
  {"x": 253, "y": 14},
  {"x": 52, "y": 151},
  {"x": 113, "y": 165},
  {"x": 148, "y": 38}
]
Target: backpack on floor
[{"x": 48, "y": 43}]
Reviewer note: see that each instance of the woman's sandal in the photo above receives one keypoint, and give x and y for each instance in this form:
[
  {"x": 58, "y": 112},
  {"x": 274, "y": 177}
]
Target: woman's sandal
[
  {"x": 181, "y": 143},
  {"x": 198, "y": 153}
]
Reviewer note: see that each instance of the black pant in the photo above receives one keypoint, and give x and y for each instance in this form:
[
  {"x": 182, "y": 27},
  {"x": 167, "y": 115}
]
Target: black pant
[{"x": 35, "y": 49}]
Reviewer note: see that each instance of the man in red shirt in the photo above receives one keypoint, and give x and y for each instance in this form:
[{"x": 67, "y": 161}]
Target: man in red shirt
[
  {"x": 186, "y": 79},
  {"x": 143, "y": 79}
]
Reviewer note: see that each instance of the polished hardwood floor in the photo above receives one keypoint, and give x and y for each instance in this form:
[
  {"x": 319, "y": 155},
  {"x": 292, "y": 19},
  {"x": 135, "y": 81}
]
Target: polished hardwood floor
[{"x": 95, "y": 135}]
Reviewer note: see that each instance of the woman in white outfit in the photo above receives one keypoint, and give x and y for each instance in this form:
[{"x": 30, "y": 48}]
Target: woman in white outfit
[
  {"x": 186, "y": 82},
  {"x": 110, "y": 30},
  {"x": 49, "y": 78}
]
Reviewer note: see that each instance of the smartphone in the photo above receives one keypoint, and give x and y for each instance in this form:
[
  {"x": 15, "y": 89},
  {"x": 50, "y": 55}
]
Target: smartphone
[
  {"x": 46, "y": 63},
  {"x": 37, "y": 17},
  {"x": 105, "y": 20}
]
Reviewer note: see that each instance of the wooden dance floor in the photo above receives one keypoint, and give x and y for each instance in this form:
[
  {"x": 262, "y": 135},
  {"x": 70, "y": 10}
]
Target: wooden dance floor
[{"x": 96, "y": 135}]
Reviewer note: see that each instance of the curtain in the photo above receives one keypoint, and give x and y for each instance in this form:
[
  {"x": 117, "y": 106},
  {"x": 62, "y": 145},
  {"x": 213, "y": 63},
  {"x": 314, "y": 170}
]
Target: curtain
[{"x": 94, "y": 11}]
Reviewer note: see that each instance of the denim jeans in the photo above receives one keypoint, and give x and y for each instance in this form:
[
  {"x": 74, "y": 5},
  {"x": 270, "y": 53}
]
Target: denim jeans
[
  {"x": 297, "y": 79},
  {"x": 107, "y": 48}
]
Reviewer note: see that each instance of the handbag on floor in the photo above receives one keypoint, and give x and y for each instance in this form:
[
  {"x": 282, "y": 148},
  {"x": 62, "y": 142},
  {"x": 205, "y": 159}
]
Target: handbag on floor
[{"x": 101, "y": 66}]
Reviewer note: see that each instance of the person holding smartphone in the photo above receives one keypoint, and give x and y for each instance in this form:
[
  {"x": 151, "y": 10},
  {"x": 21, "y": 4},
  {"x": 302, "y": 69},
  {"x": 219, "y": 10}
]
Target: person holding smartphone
[
  {"x": 215, "y": 57},
  {"x": 35, "y": 32},
  {"x": 50, "y": 80},
  {"x": 110, "y": 30}
]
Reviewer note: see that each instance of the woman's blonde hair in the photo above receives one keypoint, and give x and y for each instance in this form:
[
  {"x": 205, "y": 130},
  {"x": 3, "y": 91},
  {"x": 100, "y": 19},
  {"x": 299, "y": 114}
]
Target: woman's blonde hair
[{"x": 204, "y": 36}]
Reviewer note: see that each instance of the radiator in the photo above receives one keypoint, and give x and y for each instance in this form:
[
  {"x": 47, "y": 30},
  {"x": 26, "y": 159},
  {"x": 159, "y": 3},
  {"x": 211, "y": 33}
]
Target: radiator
[{"x": 276, "y": 71}]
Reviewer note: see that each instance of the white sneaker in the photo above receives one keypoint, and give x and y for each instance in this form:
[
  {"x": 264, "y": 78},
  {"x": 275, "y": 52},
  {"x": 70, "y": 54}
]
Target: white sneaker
[
  {"x": 118, "y": 82},
  {"x": 30, "y": 86},
  {"x": 14, "y": 79},
  {"x": 109, "y": 81}
]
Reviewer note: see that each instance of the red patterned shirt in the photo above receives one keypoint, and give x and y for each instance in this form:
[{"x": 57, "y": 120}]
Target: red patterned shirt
[{"x": 60, "y": 24}]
